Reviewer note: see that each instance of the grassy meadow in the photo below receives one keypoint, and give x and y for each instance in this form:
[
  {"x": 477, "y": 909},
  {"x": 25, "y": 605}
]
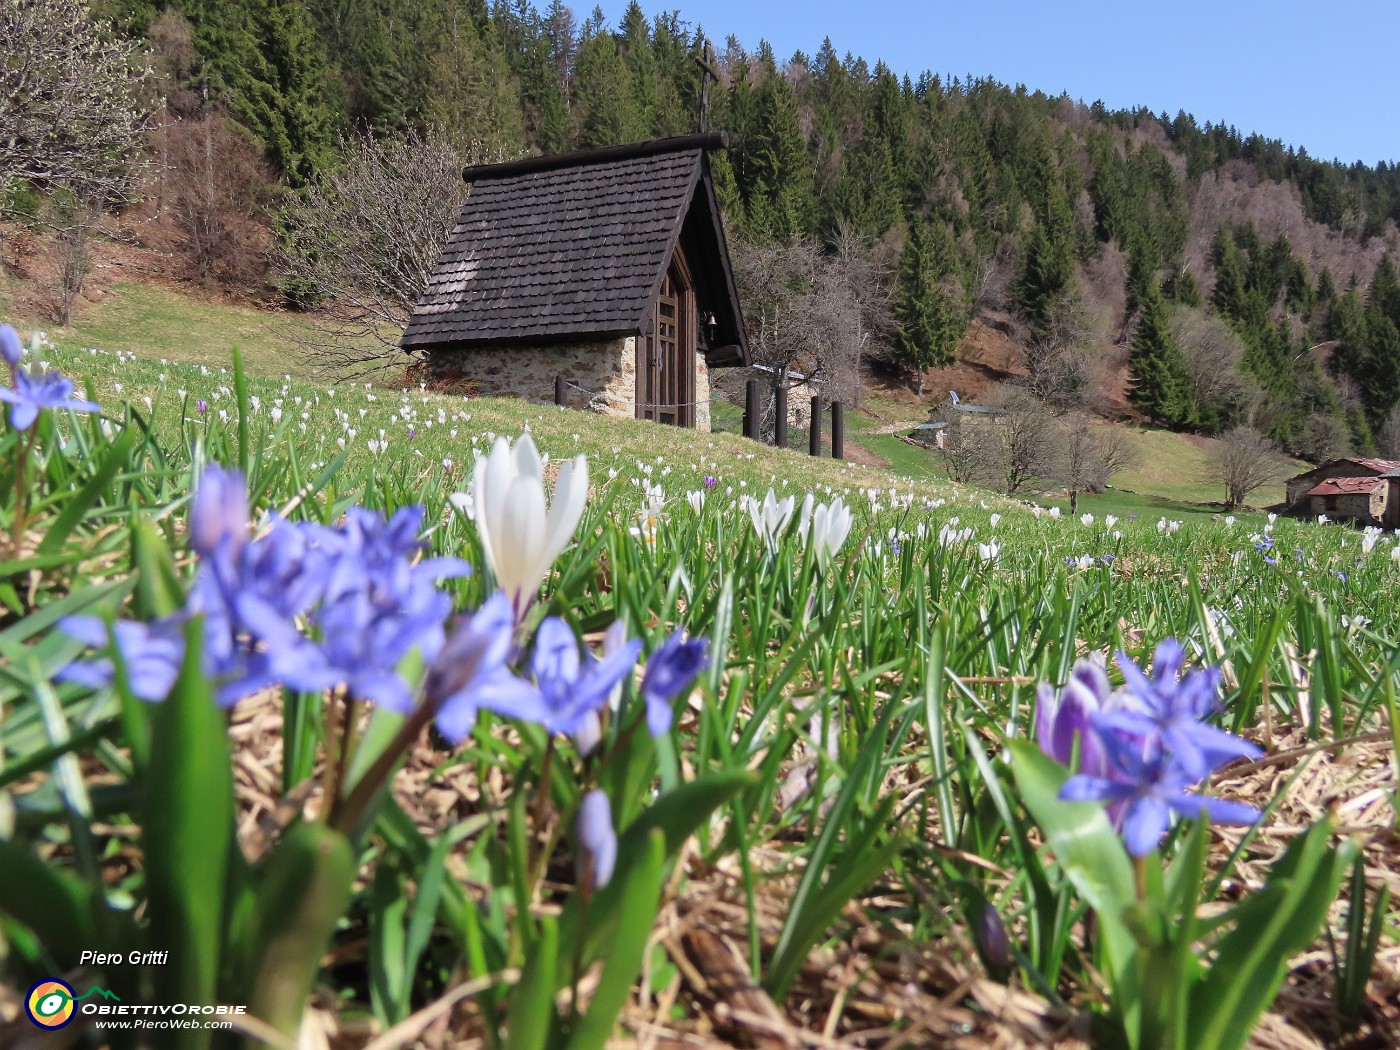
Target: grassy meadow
[{"x": 845, "y": 836}]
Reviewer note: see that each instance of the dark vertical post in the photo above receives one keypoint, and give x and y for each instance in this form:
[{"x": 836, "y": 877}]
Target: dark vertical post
[
  {"x": 751, "y": 409},
  {"x": 780, "y": 416},
  {"x": 838, "y": 430},
  {"x": 561, "y": 391},
  {"x": 815, "y": 434}
]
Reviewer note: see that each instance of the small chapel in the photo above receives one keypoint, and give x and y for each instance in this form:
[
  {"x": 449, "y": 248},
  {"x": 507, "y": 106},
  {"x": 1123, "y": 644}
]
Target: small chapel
[{"x": 605, "y": 266}]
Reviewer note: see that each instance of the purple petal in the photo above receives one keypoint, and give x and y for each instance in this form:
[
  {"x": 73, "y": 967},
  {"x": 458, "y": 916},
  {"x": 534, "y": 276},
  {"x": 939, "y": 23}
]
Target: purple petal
[
  {"x": 1144, "y": 820},
  {"x": 94, "y": 674},
  {"x": 1167, "y": 661},
  {"x": 383, "y": 688},
  {"x": 556, "y": 652},
  {"x": 1083, "y": 788},
  {"x": 1216, "y": 810},
  {"x": 90, "y": 630},
  {"x": 23, "y": 414}
]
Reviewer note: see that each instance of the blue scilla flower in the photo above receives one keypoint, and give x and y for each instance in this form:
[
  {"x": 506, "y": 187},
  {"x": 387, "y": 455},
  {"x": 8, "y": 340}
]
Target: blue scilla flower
[
  {"x": 1165, "y": 712},
  {"x": 372, "y": 603},
  {"x": 1150, "y": 789},
  {"x": 471, "y": 673},
  {"x": 36, "y": 390},
  {"x": 573, "y": 687},
  {"x": 670, "y": 671},
  {"x": 151, "y": 653}
]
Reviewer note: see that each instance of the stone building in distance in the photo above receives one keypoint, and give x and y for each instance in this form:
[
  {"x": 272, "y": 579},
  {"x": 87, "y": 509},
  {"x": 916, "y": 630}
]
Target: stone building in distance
[
  {"x": 607, "y": 267},
  {"x": 1366, "y": 491}
]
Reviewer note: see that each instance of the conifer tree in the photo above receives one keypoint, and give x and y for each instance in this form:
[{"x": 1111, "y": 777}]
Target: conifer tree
[
  {"x": 779, "y": 201},
  {"x": 928, "y": 304},
  {"x": 1346, "y": 323},
  {"x": 1380, "y": 370},
  {"x": 606, "y": 103},
  {"x": 1049, "y": 266},
  {"x": 473, "y": 97},
  {"x": 1230, "y": 282},
  {"x": 1159, "y": 384},
  {"x": 265, "y": 63},
  {"x": 1384, "y": 294}
]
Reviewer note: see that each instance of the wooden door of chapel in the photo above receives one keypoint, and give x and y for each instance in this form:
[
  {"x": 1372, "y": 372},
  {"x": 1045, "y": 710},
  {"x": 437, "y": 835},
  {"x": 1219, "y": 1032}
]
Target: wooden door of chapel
[{"x": 666, "y": 353}]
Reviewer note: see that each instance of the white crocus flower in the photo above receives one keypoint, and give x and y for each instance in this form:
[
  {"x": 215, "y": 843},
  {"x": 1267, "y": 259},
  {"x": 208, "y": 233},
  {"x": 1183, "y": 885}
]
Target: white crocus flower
[
  {"x": 463, "y": 504},
  {"x": 1054, "y": 512},
  {"x": 521, "y": 534},
  {"x": 988, "y": 551},
  {"x": 696, "y": 499},
  {"x": 1369, "y": 536},
  {"x": 771, "y": 517},
  {"x": 1110, "y": 520},
  {"x": 1086, "y": 519},
  {"x": 830, "y": 524},
  {"x": 650, "y": 519},
  {"x": 994, "y": 519}
]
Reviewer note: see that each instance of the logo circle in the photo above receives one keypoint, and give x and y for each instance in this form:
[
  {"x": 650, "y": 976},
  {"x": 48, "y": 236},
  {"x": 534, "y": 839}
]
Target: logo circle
[{"x": 50, "y": 1003}]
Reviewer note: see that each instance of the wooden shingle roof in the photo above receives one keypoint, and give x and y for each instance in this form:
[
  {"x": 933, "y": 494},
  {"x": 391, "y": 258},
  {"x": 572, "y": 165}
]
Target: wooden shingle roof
[{"x": 576, "y": 246}]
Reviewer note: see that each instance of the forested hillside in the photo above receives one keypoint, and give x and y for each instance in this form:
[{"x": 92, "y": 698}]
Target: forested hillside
[{"x": 1213, "y": 278}]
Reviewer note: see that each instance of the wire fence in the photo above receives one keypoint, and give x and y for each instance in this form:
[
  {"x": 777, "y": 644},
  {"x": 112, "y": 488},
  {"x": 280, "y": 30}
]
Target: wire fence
[{"x": 726, "y": 417}]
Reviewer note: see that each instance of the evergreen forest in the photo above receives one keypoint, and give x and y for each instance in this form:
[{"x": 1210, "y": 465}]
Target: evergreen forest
[{"x": 1222, "y": 278}]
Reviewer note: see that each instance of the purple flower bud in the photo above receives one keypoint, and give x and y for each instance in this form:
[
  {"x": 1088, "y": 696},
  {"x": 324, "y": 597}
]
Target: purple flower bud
[
  {"x": 1070, "y": 713},
  {"x": 219, "y": 513},
  {"x": 11, "y": 349},
  {"x": 597, "y": 841},
  {"x": 202, "y": 405},
  {"x": 992, "y": 938},
  {"x": 670, "y": 671},
  {"x": 711, "y": 481}
]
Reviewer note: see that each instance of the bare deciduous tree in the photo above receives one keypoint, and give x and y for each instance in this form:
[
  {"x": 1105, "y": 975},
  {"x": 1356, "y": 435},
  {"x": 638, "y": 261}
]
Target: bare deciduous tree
[
  {"x": 1087, "y": 456},
  {"x": 71, "y": 113},
  {"x": 1017, "y": 445},
  {"x": 364, "y": 238},
  {"x": 1324, "y": 436},
  {"x": 1062, "y": 356},
  {"x": 1214, "y": 357},
  {"x": 1244, "y": 461},
  {"x": 215, "y": 183},
  {"x": 1388, "y": 437},
  {"x": 969, "y": 449},
  {"x": 75, "y": 262},
  {"x": 812, "y": 311}
]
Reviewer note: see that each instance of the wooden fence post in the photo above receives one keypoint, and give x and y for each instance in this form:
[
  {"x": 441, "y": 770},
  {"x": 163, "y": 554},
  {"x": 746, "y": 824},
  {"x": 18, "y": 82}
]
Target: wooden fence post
[
  {"x": 838, "y": 430},
  {"x": 751, "y": 409},
  {"x": 815, "y": 434},
  {"x": 561, "y": 391},
  {"x": 780, "y": 417}
]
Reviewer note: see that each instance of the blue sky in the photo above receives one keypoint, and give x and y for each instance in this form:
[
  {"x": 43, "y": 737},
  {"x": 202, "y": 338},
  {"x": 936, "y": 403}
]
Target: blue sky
[{"x": 1320, "y": 74}]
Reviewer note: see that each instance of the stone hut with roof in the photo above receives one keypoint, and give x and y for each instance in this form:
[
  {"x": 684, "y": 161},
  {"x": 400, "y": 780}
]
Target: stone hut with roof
[
  {"x": 607, "y": 267},
  {"x": 1355, "y": 488}
]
